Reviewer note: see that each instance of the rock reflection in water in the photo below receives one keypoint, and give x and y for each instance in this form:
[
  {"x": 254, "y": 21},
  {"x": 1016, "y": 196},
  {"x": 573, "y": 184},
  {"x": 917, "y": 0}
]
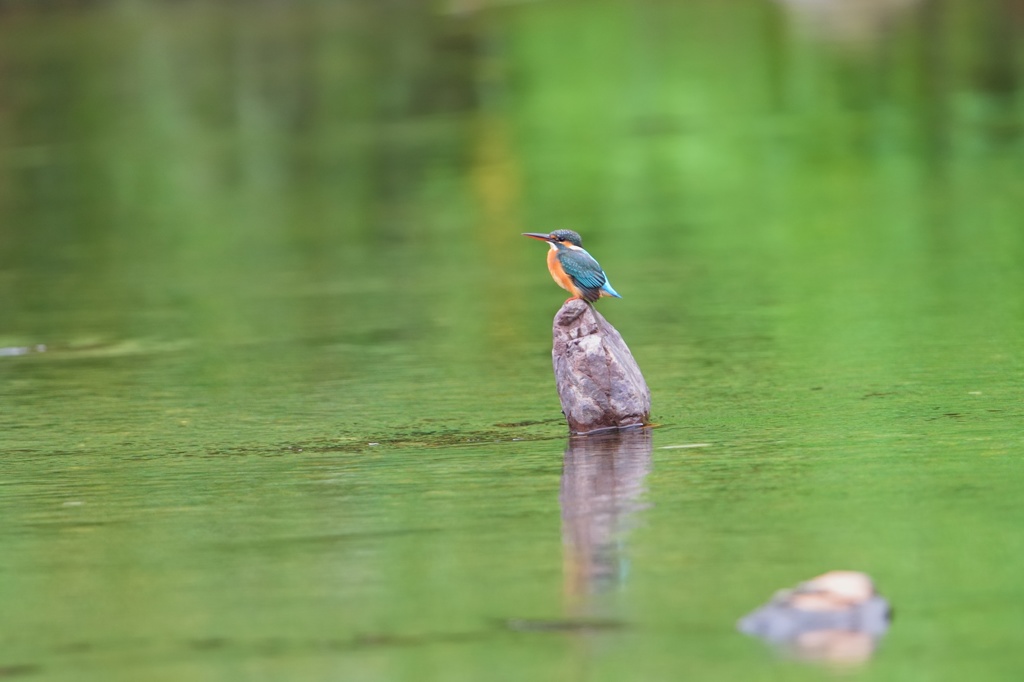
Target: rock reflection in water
[
  {"x": 837, "y": 617},
  {"x": 602, "y": 489}
]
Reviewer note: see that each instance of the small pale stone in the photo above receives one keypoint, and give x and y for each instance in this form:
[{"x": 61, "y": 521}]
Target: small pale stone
[
  {"x": 847, "y": 587},
  {"x": 599, "y": 383},
  {"x": 837, "y": 616}
]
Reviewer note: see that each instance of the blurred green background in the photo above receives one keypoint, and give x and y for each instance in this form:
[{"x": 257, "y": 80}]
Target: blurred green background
[{"x": 275, "y": 386}]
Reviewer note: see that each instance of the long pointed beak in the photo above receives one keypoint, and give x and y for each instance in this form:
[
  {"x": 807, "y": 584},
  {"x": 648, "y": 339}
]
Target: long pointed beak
[{"x": 537, "y": 235}]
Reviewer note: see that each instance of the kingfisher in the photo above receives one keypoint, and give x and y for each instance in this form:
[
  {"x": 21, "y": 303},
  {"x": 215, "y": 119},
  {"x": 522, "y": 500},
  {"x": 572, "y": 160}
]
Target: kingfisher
[{"x": 573, "y": 268}]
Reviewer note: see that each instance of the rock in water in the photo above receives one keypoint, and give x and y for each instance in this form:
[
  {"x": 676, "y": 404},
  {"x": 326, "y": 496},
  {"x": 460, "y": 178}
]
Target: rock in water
[
  {"x": 599, "y": 382},
  {"x": 837, "y": 617}
]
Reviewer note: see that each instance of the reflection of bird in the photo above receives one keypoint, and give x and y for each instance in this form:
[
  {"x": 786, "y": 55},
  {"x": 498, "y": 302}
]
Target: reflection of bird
[{"x": 573, "y": 268}]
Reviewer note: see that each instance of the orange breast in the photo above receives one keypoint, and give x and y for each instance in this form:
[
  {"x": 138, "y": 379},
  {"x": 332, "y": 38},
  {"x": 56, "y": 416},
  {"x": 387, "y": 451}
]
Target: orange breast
[{"x": 558, "y": 274}]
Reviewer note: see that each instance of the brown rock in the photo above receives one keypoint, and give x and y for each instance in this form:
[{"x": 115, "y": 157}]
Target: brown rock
[{"x": 599, "y": 382}]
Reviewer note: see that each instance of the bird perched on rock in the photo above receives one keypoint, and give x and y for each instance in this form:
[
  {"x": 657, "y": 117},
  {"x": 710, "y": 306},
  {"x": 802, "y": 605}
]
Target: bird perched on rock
[{"x": 573, "y": 268}]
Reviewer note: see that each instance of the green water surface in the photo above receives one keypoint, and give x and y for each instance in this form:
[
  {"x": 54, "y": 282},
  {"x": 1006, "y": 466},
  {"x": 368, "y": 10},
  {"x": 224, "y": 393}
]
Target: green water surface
[{"x": 275, "y": 386}]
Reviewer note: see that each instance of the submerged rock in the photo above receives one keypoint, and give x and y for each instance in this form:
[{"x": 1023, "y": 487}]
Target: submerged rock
[
  {"x": 599, "y": 383},
  {"x": 836, "y": 617}
]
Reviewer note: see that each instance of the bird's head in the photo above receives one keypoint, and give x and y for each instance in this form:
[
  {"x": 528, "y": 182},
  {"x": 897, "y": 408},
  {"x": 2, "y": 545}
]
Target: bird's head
[{"x": 558, "y": 238}]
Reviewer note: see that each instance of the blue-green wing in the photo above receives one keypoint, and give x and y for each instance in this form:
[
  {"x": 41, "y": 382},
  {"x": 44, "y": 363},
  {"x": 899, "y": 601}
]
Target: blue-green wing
[{"x": 584, "y": 271}]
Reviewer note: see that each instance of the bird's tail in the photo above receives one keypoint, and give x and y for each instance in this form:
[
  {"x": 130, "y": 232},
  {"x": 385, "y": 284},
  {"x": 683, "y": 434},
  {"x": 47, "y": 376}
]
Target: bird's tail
[{"x": 607, "y": 289}]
